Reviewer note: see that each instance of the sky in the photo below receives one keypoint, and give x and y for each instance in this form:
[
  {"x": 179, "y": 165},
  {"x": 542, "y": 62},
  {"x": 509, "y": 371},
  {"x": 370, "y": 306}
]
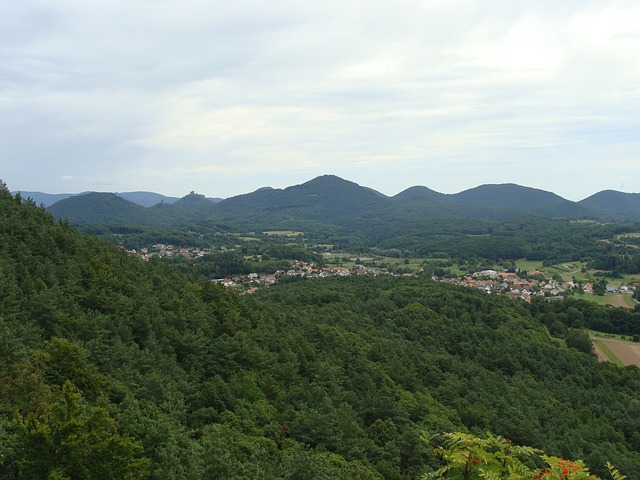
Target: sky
[{"x": 225, "y": 97}]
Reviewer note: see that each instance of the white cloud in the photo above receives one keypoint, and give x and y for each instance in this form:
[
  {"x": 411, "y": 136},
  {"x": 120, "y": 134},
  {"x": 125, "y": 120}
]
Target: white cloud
[{"x": 176, "y": 95}]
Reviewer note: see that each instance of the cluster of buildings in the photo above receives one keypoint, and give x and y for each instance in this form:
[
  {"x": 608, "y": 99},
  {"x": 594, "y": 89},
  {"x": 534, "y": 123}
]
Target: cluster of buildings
[
  {"x": 510, "y": 284},
  {"x": 535, "y": 283},
  {"x": 490, "y": 281},
  {"x": 298, "y": 269},
  {"x": 162, "y": 250},
  {"x": 524, "y": 288}
]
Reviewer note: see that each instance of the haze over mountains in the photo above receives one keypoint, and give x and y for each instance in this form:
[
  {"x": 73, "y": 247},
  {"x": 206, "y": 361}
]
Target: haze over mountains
[
  {"x": 330, "y": 199},
  {"x": 145, "y": 199}
]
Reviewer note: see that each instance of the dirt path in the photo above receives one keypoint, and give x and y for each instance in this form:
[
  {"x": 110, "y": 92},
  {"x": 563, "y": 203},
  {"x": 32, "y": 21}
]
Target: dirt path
[{"x": 601, "y": 355}]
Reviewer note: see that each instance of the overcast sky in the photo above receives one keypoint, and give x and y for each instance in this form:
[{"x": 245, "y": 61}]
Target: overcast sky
[{"x": 224, "y": 97}]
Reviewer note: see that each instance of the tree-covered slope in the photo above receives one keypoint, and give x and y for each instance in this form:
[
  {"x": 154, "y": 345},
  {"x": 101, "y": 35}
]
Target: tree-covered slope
[
  {"x": 97, "y": 207},
  {"x": 112, "y": 367},
  {"x": 509, "y": 200},
  {"x": 327, "y": 199},
  {"x": 144, "y": 199},
  {"x": 331, "y": 210},
  {"x": 506, "y": 195},
  {"x": 626, "y": 205},
  {"x": 46, "y": 199}
]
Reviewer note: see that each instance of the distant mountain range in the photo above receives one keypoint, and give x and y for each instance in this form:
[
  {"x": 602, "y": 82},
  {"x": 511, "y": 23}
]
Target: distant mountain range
[
  {"x": 144, "y": 199},
  {"x": 332, "y": 200}
]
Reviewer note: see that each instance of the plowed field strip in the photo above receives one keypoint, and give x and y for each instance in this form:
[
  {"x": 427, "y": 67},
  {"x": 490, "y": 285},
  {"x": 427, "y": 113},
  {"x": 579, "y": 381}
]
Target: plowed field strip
[{"x": 627, "y": 352}]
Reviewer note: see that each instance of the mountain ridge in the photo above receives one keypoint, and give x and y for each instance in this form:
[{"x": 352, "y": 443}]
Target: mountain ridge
[
  {"x": 614, "y": 201},
  {"x": 333, "y": 200},
  {"x": 49, "y": 198},
  {"x": 94, "y": 207}
]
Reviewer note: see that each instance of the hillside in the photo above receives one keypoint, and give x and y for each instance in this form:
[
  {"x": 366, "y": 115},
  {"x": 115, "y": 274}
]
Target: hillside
[
  {"x": 102, "y": 208},
  {"x": 144, "y": 199},
  {"x": 111, "y": 208},
  {"x": 134, "y": 370},
  {"x": 332, "y": 202},
  {"x": 511, "y": 200},
  {"x": 46, "y": 199},
  {"x": 419, "y": 192},
  {"x": 191, "y": 207},
  {"x": 507, "y": 195},
  {"x": 491, "y": 223},
  {"x": 327, "y": 199},
  {"x": 626, "y": 205}
]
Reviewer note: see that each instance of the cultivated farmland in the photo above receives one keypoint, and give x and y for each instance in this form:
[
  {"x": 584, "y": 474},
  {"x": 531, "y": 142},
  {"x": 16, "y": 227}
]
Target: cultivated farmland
[{"x": 628, "y": 353}]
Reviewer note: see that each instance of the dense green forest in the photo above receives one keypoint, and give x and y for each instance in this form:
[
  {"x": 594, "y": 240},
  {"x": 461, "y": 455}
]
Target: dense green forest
[
  {"x": 472, "y": 242},
  {"x": 111, "y": 367}
]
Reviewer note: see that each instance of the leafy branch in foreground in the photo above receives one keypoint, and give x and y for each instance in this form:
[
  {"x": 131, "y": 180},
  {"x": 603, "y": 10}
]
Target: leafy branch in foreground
[{"x": 467, "y": 457}]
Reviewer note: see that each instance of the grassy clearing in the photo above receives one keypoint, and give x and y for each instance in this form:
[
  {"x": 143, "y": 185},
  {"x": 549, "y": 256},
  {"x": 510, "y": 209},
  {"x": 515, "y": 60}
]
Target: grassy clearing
[
  {"x": 625, "y": 300},
  {"x": 629, "y": 278},
  {"x": 615, "y": 300},
  {"x": 283, "y": 233},
  {"x": 528, "y": 265},
  {"x": 566, "y": 270},
  {"x": 573, "y": 270},
  {"x": 619, "y": 349},
  {"x": 414, "y": 264},
  {"x": 631, "y": 235},
  {"x": 599, "y": 299},
  {"x": 614, "y": 336}
]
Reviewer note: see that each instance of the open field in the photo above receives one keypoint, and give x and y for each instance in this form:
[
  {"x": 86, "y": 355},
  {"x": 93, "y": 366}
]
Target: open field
[
  {"x": 599, "y": 299},
  {"x": 284, "y": 233},
  {"x": 566, "y": 270},
  {"x": 604, "y": 353},
  {"x": 624, "y": 300},
  {"x": 629, "y": 278},
  {"x": 528, "y": 265},
  {"x": 618, "y": 351},
  {"x": 630, "y": 234}
]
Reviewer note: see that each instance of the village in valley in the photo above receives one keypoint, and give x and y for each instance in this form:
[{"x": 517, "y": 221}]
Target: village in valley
[
  {"x": 161, "y": 250},
  {"x": 534, "y": 283},
  {"x": 523, "y": 285}
]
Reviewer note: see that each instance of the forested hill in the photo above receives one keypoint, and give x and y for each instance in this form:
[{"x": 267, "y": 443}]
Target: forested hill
[
  {"x": 145, "y": 199},
  {"x": 625, "y": 204},
  {"x": 115, "y": 368},
  {"x": 95, "y": 207},
  {"x": 335, "y": 202}
]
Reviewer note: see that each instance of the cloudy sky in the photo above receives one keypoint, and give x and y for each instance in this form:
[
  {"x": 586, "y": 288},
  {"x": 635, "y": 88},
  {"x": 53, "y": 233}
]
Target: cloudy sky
[{"x": 224, "y": 97}]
